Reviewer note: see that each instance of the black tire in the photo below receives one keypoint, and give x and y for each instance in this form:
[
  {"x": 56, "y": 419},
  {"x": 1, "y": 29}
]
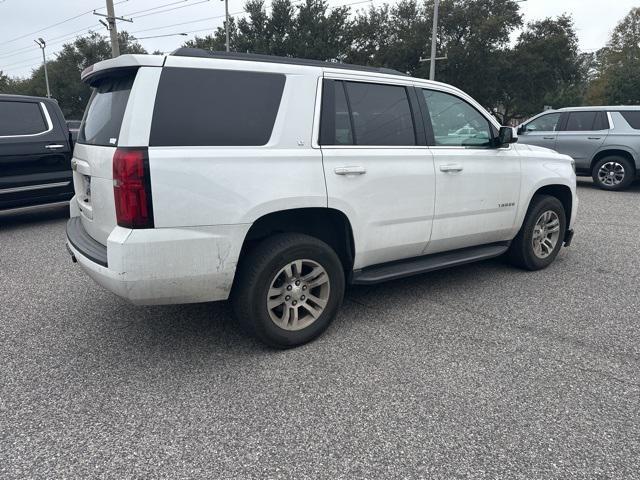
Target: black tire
[
  {"x": 629, "y": 173},
  {"x": 256, "y": 271},
  {"x": 521, "y": 252}
]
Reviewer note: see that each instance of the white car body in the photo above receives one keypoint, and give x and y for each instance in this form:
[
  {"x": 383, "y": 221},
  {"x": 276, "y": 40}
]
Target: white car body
[{"x": 413, "y": 201}]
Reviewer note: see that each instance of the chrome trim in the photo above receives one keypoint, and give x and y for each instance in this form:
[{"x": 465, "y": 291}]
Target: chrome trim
[
  {"x": 28, "y": 188},
  {"x": 34, "y": 207},
  {"x": 44, "y": 110},
  {"x": 611, "y": 124}
]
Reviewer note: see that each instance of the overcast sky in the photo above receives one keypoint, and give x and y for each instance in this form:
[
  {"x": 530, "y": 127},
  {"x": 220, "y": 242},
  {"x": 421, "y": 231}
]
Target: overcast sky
[{"x": 21, "y": 22}]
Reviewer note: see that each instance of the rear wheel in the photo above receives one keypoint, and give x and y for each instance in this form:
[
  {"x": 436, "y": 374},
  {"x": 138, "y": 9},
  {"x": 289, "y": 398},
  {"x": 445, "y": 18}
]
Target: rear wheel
[
  {"x": 539, "y": 240},
  {"x": 288, "y": 289},
  {"x": 613, "y": 173}
]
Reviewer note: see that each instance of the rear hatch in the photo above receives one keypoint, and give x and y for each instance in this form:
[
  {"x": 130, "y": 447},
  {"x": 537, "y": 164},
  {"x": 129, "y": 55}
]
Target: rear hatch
[{"x": 94, "y": 151}]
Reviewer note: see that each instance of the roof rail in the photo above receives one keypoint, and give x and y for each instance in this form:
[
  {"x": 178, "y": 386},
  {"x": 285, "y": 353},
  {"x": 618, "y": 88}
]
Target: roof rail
[{"x": 256, "y": 57}]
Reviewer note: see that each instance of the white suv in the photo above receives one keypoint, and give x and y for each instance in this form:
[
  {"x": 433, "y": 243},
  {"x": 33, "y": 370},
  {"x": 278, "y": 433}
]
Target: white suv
[{"x": 276, "y": 182}]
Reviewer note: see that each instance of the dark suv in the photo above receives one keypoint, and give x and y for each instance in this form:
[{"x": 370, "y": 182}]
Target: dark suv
[{"x": 35, "y": 153}]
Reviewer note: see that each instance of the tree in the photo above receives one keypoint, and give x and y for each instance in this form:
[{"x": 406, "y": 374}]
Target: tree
[
  {"x": 544, "y": 68},
  {"x": 617, "y": 81}
]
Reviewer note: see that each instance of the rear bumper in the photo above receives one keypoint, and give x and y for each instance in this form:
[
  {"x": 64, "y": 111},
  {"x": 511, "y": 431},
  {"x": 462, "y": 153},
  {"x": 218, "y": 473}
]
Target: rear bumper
[{"x": 162, "y": 265}]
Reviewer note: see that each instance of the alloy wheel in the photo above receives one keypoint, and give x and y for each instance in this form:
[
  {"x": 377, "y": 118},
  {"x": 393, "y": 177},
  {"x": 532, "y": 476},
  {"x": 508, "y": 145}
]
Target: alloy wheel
[
  {"x": 546, "y": 233},
  {"x": 611, "y": 173},
  {"x": 298, "y": 294}
]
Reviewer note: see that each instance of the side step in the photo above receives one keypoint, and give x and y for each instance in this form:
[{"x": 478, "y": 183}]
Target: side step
[{"x": 427, "y": 263}]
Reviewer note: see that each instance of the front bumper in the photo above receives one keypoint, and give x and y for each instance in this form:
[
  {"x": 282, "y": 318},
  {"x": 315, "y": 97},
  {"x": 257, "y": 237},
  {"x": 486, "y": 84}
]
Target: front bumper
[{"x": 161, "y": 265}]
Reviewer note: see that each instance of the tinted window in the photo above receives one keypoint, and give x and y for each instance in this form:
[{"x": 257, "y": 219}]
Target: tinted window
[
  {"x": 632, "y": 118},
  {"x": 455, "y": 122},
  {"x": 215, "y": 107},
  {"x": 545, "y": 123},
  {"x": 21, "y": 118},
  {"x": 344, "y": 136},
  {"x": 580, "y": 121},
  {"x": 104, "y": 113},
  {"x": 380, "y": 113}
]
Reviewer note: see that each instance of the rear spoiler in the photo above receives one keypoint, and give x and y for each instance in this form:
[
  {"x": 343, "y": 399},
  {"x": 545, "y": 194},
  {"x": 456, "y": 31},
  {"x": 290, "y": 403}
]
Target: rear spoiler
[{"x": 101, "y": 69}]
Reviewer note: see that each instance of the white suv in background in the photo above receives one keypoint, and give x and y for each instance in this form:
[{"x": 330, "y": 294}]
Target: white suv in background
[{"x": 276, "y": 182}]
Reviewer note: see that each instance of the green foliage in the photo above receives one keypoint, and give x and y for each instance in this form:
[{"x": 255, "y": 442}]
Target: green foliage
[{"x": 617, "y": 79}]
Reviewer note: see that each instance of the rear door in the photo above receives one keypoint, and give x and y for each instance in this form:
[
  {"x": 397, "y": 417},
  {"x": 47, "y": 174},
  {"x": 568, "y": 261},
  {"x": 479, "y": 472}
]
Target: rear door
[
  {"x": 581, "y": 135},
  {"x": 377, "y": 167},
  {"x": 34, "y": 154},
  {"x": 542, "y": 131}
]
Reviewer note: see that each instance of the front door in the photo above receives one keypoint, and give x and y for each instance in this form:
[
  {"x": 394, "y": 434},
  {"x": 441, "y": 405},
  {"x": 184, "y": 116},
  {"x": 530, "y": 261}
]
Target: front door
[
  {"x": 377, "y": 167},
  {"x": 542, "y": 131},
  {"x": 477, "y": 185}
]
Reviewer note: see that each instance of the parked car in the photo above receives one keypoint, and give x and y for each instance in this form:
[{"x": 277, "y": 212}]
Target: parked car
[
  {"x": 603, "y": 141},
  {"x": 74, "y": 128},
  {"x": 276, "y": 182},
  {"x": 35, "y": 153}
]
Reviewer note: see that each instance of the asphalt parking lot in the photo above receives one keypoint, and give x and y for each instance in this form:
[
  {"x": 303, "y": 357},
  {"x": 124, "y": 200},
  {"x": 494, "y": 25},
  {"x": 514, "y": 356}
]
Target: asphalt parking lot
[{"x": 482, "y": 371}]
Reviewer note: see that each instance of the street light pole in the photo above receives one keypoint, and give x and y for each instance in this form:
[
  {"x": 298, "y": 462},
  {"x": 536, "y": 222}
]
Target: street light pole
[
  {"x": 434, "y": 31},
  {"x": 41, "y": 43}
]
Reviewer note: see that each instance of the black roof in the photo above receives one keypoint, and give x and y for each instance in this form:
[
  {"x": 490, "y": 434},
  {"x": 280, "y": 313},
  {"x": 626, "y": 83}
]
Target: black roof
[{"x": 255, "y": 57}]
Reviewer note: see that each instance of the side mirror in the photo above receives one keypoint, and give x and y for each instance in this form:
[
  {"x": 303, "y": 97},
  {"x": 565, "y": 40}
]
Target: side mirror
[
  {"x": 521, "y": 129},
  {"x": 506, "y": 136}
]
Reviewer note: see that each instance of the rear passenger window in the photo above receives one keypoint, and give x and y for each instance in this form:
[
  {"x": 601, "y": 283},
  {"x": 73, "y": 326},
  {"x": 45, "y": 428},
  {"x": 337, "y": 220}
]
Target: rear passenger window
[
  {"x": 632, "y": 118},
  {"x": 202, "y": 107},
  {"x": 381, "y": 114},
  {"x": 580, "y": 121},
  {"x": 21, "y": 118}
]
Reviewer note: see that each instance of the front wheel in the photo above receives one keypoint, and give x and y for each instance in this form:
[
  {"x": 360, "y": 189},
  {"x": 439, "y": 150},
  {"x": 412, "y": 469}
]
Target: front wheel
[
  {"x": 613, "y": 173},
  {"x": 288, "y": 289},
  {"x": 539, "y": 240}
]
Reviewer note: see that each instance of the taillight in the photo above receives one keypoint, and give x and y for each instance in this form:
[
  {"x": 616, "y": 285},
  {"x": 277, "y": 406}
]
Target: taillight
[{"x": 132, "y": 188}]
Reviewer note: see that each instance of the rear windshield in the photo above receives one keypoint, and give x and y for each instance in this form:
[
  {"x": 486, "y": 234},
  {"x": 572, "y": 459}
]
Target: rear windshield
[{"x": 103, "y": 116}]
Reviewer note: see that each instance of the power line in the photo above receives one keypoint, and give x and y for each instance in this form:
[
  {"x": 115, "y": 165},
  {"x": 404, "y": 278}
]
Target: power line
[
  {"x": 170, "y": 9},
  {"x": 56, "y": 24}
]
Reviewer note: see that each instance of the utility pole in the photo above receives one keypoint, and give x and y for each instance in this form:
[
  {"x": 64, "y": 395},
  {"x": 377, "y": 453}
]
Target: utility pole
[
  {"x": 113, "y": 32},
  {"x": 111, "y": 26},
  {"x": 41, "y": 43},
  {"x": 434, "y": 31},
  {"x": 226, "y": 22}
]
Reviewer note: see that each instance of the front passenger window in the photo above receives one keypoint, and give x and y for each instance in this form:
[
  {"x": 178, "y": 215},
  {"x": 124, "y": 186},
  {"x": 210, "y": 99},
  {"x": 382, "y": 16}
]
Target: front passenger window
[
  {"x": 455, "y": 122},
  {"x": 544, "y": 123}
]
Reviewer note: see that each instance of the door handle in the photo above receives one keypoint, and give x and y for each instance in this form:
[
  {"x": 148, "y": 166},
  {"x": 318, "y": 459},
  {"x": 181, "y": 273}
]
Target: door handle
[
  {"x": 454, "y": 167},
  {"x": 350, "y": 170},
  {"x": 54, "y": 146},
  {"x": 594, "y": 138},
  {"x": 549, "y": 138}
]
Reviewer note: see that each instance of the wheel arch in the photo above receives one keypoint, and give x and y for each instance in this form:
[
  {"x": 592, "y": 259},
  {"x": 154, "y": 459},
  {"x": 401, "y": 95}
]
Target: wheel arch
[
  {"x": 561, "y": 192},
  {"x": 613, "y": 151},
  {"x": 327, "y": 224}
]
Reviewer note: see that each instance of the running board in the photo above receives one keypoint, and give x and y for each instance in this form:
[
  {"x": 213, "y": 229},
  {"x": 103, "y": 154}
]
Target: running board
[{"x": 427, "y": 263}]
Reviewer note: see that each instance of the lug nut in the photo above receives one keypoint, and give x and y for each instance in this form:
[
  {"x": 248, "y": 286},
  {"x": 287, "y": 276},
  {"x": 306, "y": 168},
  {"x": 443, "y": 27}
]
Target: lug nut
[
  {"x": 288, "y": 297},
  {"x": 289, "y": 287},
  {"x": 297, "y": 282},
  {"x": 302, "y": 297},
  {"x": 294, "y": 302},
  {"x": 304, "y": 287}
]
